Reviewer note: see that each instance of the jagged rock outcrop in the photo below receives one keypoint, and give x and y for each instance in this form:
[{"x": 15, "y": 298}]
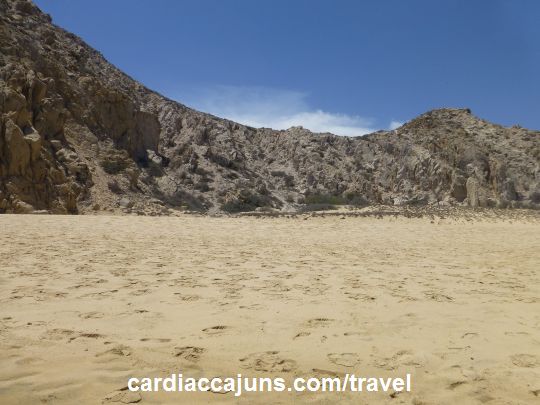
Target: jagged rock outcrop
[
  {"x": 78, "y": 135},
  {"x": 38, "y": 169}
]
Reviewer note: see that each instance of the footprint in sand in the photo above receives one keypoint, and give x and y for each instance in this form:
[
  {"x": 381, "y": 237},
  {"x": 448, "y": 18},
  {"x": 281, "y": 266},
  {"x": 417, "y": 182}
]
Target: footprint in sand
[
  {"x": 91, "y": 315},
  {"x": 401, "y": 358},
  {"x": 269, "y": 361},
  {"x": 118, "y": 350},
  {"x": 525, "y": 360},
  {"x": 434, "y": 296},
  {"x": 320, "y": 373},
  {"x": 48, "y": 399},
  {"x": 87, "y": 336},
  {"x": 215, "y": 330},
  {"x": 319, "y": 322},
  {"x": 187, "y": 297},
  {"x": 361, "y": 335},
  {"x": 58, "y": 334},
  {"x": 123, "y": 396},
  {"x": 191, "y": 353},
  {"x": 156, "y": 340},
  {"x": 344, "y": 359},
  {"x": 360, "y": 296},
  {"x": 90, "y": 335},
  {"x": 251, "y": 306},
  {"x": 141, "y": 292},
  {"x": 456, "y": 384}
]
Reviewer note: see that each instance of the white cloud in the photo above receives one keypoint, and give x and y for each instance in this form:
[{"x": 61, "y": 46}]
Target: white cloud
[
  {"x": 395, "y": 124},
  {"x": 277, "y": 109}
]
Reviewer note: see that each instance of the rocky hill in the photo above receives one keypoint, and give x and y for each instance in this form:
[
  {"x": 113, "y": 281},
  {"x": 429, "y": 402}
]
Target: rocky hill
[{"x": 78, "y": 135}]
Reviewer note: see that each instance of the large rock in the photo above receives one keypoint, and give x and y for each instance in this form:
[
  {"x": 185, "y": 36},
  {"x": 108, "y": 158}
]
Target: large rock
[
  {"x": 31, "y": 177},
  {"x": 18, "y": 151},
  {"x": 34, "y": 142},
  {"x": 508, "y": 191},
  {"x": 473, "y": 195}
]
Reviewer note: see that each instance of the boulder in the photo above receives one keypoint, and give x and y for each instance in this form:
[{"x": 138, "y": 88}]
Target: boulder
[
  {"x": 125, "y": 202},
  {"x": 473, "y": 191},
  {"x": 34, "y": 141}
]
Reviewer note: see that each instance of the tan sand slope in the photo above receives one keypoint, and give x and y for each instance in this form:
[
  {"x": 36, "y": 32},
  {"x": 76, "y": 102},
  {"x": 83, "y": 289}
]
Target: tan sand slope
[{"x": 86, "y": 302}]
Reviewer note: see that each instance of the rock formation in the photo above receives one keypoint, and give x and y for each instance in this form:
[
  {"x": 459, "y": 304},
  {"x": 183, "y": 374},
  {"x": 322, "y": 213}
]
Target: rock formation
[{"x": 79, "y": 135}]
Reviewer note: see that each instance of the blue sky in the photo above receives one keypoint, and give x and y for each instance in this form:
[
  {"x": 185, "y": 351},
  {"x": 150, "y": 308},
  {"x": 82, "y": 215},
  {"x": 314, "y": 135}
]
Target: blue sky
[{"x": 348, "y": 67}]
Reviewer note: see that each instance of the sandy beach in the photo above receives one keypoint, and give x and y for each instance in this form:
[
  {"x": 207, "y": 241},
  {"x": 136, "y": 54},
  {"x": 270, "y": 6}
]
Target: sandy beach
[{"x": 88, "y": 301}]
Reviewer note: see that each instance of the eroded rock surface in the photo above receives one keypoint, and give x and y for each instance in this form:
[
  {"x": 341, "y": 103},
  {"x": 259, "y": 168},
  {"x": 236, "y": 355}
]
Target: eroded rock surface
[{"x": 78, "y": 135}]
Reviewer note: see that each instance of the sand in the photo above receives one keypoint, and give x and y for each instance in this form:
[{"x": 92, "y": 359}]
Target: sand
[{"x": 88, "y": 301}]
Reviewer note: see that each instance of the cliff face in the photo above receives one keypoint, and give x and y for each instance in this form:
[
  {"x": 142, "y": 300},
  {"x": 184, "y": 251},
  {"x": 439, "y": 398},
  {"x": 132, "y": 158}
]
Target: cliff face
[{"x": 78, "y": 135}]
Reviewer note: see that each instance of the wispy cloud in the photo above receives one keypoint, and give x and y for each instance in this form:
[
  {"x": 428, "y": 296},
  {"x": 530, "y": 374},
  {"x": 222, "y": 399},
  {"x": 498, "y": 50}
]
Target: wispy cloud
[
  {"x": 395, "y": 124},
  {"x": 271, "y": 108}
]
